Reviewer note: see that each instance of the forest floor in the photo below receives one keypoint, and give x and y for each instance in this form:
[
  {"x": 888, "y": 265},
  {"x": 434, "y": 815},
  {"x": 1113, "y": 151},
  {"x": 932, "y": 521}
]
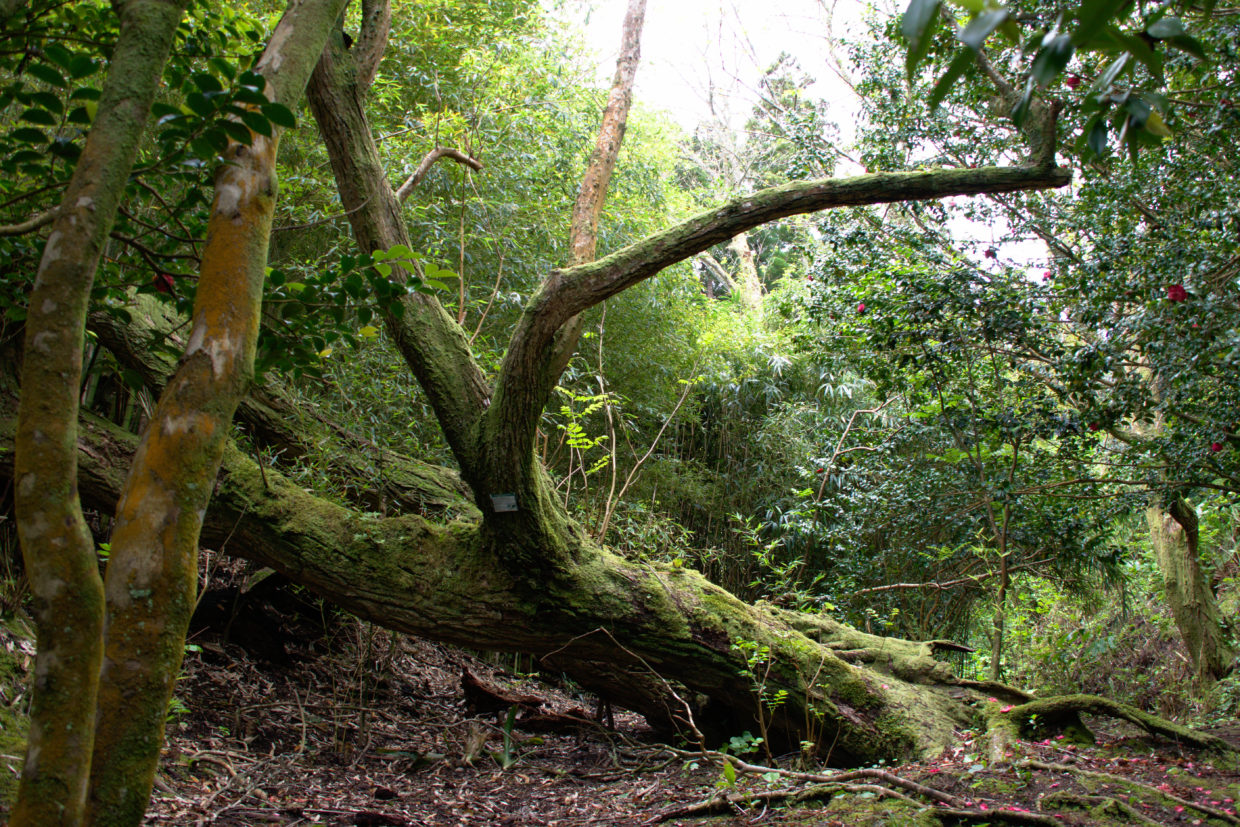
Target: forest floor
[{"x": 325, "y": 720}]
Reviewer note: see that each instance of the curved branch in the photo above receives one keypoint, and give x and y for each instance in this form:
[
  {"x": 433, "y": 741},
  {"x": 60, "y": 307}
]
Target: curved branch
[
  {"x": 521, "y": 395},
  {"x": 31, "y": 224},
  {"x": 428, "y": 161}
]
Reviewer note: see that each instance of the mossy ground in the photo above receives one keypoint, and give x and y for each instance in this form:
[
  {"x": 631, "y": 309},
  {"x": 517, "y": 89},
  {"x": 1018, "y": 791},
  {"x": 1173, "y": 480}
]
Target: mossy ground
[{"x": 16, "y": 660}]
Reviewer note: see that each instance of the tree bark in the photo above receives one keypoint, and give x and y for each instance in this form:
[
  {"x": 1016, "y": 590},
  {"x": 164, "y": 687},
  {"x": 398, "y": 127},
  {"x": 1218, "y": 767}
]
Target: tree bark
[
  {"x": 57, "y": 547},
  {"x": 749, "y": 284},
  {"x": 659, "y": 640},
  {"x": 588, "y": 208},
  {"x": 152, "y": 573},
  {"x": 1173, "y": 533}
]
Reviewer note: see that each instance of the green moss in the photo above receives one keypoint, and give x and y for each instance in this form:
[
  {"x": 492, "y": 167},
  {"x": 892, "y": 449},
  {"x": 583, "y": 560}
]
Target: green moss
[
  {"x": 857, "y": 810},
  {"x": 13, "y": 718}
]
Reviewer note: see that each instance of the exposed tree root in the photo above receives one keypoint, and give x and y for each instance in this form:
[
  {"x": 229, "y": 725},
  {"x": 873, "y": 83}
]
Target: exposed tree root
[
  {"x": 824, "y": 786},
  {"x": 1101, "y": 804},
  {"x": 1212, "y": 812},
  {"x": 1064, "y": 710}
]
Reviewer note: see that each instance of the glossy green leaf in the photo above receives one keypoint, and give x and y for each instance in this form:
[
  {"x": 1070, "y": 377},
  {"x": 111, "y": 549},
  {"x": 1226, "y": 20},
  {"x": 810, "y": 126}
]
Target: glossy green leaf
[
  {"x": 919, "y": 25},
  {"x": 981, "y": 27},
  {"x": 1093, "y": 16},
  {"x": 199, "y": 105},
  {"x": 960, "y": 63},
  {"x": 1190, "y": 45},
  {"x": 238, "y": 132},
  {"x": 206, "y": 82},
  {"x": 39, "y": 116},
  {"x": 29, "y": 135},
  {"x": 279, "y": 114},
  {"x": 1166, "y": 28},
  {"x": 1051, "y": 59},
  {"x": 257, "y": 122},
  {"x": 47, "y": 74},
  {"x": 82, "y": 66}
]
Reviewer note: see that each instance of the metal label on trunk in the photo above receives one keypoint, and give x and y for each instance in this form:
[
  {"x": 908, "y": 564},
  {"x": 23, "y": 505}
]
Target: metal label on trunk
[{"x": 504, "y": 502}]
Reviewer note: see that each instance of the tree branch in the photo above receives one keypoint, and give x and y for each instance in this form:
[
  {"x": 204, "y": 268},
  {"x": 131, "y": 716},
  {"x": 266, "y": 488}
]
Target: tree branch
[
  {"x": 428, "y": 161},
  {"x": 372, "y": 39},
  {"x": 31, "y": 224},
  {"x": 588, "y": 208},
  {"x": 521, "y": 394}
]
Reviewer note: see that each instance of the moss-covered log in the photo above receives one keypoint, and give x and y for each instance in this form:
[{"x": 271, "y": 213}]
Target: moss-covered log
[
  {"x": 1054, "y": 714},
  {"x": 659, "y": 640},
  {"x": 149, "y": 343}
]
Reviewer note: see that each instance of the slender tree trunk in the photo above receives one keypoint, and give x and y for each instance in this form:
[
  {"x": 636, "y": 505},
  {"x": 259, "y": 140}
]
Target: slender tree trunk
[
  {"x": 748, "y": 283},
  {"x": 997, "y": 629},
  {"x": 57, "y": 547},
  {"x": 152, "y": 573},
  {"x": 588, "y": 208},
  {"x": 1174, "y": 536}
]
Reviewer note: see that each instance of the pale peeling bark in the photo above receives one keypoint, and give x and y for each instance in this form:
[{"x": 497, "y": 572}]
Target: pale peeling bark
[
  {"x": 592, "y": 195},
  {"x": 151, "y": 577},
  {"x": 58, "y": 550},
  {"x": 749, "y": 284},
  {"x": 1173, "y": 533}
]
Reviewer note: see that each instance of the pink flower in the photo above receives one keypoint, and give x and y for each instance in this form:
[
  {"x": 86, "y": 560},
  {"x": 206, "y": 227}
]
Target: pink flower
[
  {"x": 1072, "y": 81},
  {"x": 1007, "y": 708},
  {"x": 861, "y": 308},
  {"x": 1216, "y": 446},
  {"x": 1176, "y": 293}
]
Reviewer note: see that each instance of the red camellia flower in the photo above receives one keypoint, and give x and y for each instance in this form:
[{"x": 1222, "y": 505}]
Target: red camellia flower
[
  {"x": 163, "y": 283},
  {"x": 1176, "y": 293},
  {"x": 1072, "y": 81},
  {"x": 1093, "y": 426},
  {"x": 1216, "y": 446},
  {"x": 1046, "y": 275},
  {"x": 861, "y": 308}
]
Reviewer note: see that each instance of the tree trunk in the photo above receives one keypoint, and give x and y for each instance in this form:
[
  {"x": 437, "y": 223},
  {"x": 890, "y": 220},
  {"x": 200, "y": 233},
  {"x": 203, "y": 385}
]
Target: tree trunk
[
  {"x": 659, "y": 640},
  {"x": 152, "y": 573},
  {"x": 57, "y": 548},
  {"x": 748, "y": 282},
  {"x": 1173, "y": 533},
  {"x": 996, "y": 640}
]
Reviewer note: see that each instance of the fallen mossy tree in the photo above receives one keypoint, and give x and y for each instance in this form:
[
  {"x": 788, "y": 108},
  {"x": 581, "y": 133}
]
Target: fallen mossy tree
[{"x": 657, "y": 639}]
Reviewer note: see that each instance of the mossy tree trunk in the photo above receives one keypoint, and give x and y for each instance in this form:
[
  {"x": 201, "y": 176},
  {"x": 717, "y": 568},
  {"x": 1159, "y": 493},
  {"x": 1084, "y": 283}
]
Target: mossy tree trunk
[
  {"x": 1174, "y": 535},
  {"x": 152, "y": 573},
  {"x": 659, "y": 640},
  {"x": 664, "y": 642},
  {"x": 109, "y": 652},
  {"x": 57, "y": 548}
]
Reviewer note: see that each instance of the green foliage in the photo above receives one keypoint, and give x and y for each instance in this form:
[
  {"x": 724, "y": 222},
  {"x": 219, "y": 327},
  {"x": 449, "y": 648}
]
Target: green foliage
[{"x": 1125, "y": 47}]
